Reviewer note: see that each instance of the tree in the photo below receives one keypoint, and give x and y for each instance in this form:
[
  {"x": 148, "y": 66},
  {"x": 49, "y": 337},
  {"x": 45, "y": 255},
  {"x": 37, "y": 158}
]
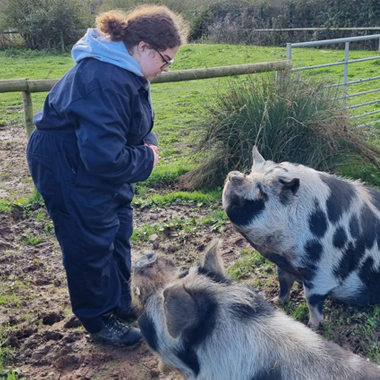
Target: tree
[{"x": 47, "y": 24}]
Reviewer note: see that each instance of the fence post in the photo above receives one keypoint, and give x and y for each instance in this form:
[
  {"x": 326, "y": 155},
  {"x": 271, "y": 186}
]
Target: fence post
[
  {"x": 345, "y": 79},
  {"x": 288, "y": 51},
  {"x": 28, "y": 111},
  {"x": 62, "y": 42}
]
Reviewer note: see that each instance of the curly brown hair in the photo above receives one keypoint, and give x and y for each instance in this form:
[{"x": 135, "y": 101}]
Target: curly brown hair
[{"x": 154, "y": 24}]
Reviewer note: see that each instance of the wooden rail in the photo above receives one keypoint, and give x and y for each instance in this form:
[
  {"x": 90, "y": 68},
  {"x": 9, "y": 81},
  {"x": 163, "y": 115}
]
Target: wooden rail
[{"x": 27, "y": 86}]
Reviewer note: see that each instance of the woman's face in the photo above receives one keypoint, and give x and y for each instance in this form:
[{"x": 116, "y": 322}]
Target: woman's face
[{"x": 153, "y": 62}]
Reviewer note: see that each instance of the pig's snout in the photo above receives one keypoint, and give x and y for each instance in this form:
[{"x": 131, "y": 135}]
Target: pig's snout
[{"x": 145, "y": 261}]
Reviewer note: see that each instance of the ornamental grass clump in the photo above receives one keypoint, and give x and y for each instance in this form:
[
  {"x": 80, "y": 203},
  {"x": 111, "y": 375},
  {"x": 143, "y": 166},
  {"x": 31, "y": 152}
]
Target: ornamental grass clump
[{"x": 288, "y": 121}]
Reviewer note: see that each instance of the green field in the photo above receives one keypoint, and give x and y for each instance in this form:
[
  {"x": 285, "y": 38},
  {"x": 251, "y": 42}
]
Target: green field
[{"x": 42, "y": 65}]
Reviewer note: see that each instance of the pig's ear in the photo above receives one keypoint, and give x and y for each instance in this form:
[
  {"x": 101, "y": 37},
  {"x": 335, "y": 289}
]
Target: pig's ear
[
  {"x": 289, "y": 188},
  {"x": 212, "y": 260},
  {"x": 188, "y": 312},
  {"x": 180, "y": 310},
  {"x": 257, "y": 158}
]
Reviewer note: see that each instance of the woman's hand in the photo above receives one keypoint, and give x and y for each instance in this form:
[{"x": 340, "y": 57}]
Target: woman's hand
[{"x": 155, "y": 153}]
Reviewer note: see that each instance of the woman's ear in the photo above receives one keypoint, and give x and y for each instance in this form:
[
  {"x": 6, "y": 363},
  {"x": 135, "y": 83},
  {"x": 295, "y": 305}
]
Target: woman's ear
[{"x": 142, "y": 45}]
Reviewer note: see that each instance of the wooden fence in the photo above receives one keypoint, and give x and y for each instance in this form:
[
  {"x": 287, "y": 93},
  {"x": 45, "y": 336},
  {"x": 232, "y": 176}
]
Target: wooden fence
[{"x": 27, "y": 87}]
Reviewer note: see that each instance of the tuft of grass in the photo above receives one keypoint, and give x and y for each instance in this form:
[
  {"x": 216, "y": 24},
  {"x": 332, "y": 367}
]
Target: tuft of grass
[
  {"x": 33, "y": 240},
  {"x": 167, "y": 172},
  {"x": 5, "y": 356},
  {"x": 6, "y": 206},
  {"x": 299, "y": 311},
  {"x": 251, "y": 262},
  {"x": 288, "y": 121},
  {"x": 158, "y": 200},
  {"x": 40, "y": 216},
  {"x": 49, "y": 228},
  {"x": 217, "y": 221},
  {"x": 9, "y": 299},
  {"x": 34, "y": 201},
  {"x": 366, "y": 173},
  {"x": 6, "y": 359}
]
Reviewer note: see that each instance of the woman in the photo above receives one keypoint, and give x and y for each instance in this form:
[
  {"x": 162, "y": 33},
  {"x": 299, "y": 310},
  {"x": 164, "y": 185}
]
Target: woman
[{"x": 92, "y": 141}]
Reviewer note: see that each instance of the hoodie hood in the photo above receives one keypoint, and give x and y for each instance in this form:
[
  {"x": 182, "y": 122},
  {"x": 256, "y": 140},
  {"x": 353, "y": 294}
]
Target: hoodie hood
[{"x": 94, "y": 44}]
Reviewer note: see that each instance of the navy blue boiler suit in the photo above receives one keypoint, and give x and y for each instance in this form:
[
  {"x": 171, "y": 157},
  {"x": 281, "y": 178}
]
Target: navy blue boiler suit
[{"x": 84, "y": 156}]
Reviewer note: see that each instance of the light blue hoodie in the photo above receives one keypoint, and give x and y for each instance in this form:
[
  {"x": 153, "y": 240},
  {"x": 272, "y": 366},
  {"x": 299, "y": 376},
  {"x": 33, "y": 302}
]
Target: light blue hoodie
[{"x": 94, "y": 44}]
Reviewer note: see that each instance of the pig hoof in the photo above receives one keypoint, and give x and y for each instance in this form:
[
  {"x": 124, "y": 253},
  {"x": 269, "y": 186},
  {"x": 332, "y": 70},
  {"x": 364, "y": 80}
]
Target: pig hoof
[{"x": 314, "y": 325}]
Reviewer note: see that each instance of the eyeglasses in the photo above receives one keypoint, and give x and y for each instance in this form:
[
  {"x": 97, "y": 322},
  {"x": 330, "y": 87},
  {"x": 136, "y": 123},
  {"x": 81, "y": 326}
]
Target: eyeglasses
[{"x": 166, "y": 62}]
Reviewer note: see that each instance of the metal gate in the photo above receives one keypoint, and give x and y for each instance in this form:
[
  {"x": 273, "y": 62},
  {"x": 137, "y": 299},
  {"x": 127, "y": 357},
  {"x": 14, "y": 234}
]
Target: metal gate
[{"x": 346, "y": 62}]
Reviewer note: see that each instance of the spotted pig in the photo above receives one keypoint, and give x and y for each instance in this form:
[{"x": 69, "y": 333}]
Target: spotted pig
[
  {"x": 209, "y": 327},
  {"x": 317, "y": 228}
]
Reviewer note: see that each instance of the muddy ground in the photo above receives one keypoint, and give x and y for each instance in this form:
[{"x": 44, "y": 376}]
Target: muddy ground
[
  {"x": 39, "y": 335},
  {"x": 41, "y": 338}
]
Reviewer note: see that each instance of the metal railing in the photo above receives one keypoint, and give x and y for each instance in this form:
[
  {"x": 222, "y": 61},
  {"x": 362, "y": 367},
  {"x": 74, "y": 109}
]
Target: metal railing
[
  {"x": 346, "y": 62},
  {"x": 364, "y": 29}
]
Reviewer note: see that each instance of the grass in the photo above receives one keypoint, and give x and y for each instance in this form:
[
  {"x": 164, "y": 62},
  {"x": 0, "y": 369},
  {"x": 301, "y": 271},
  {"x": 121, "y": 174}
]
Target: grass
[
  {"x": 164, "y": 227},
  {"x": 249, "y": 264},
  {"x": 9, "y": 299},
  {"x": 32, "y": 202},
  {"x": 6, "y": 358},
  {"x": 32, "y": 240},
  {"x": 216, "y": 221},
  {"x": 6, "y": 206},
  {"x": 159, "y": 200}
]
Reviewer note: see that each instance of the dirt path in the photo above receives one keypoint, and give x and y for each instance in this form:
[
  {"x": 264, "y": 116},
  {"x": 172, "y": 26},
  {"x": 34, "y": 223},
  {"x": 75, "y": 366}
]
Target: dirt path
[{"x": 41, "y": 336}]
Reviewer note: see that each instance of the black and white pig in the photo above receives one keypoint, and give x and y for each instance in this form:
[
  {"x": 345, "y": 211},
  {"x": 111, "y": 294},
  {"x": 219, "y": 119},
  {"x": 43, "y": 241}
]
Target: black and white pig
[
  {"x": 317, "y": 228},
  {"x": 210, "y": 327}
]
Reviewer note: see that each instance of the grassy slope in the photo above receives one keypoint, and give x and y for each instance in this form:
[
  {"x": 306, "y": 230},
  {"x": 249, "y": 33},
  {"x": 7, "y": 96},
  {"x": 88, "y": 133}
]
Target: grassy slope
[{"x": 178, "y": 106}]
